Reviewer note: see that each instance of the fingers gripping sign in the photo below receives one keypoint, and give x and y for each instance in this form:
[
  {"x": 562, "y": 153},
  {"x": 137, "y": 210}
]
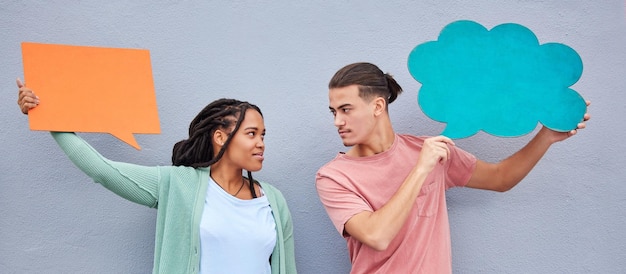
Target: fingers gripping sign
[
  {"x": 435, "y": 151},
  {"x": 26, "y": 98}
]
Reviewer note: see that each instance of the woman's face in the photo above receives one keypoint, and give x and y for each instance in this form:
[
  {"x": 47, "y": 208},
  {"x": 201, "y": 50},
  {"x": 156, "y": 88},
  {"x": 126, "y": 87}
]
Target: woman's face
[{"x": 246, "y": 147}]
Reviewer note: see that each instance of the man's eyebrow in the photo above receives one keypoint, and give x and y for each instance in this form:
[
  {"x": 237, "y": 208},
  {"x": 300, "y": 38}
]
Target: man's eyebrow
[{"x": 340, "y": 107}]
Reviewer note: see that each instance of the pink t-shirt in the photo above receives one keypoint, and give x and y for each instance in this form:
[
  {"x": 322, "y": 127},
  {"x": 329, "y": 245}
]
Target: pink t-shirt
[{"x": 350, "y": 185}]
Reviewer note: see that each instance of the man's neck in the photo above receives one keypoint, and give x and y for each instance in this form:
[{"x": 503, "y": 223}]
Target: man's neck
[{"x": 379, "y": 141}]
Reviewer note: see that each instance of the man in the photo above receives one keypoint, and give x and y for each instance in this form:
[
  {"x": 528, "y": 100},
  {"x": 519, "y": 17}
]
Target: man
[{"x": 386, "y": 194}]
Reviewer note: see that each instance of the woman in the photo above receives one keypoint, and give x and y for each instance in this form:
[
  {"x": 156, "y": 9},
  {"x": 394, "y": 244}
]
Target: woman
[{"x": 210, "y": 218}]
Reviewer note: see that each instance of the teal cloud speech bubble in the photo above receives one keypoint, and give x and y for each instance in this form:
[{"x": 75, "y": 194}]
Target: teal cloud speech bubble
[{"x": 500, "y": 81}]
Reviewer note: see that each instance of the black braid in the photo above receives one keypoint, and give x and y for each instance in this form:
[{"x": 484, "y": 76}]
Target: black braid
[
  {"x": 197, "y": 151},
  {"x": 252, "y": 183}
]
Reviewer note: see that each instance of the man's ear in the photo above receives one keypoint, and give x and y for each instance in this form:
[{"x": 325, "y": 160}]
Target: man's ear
[{"x": 379, "y": 106}]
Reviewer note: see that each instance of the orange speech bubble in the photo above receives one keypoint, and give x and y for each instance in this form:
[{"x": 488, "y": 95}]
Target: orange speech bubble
[{"x": 91, "y": 89}]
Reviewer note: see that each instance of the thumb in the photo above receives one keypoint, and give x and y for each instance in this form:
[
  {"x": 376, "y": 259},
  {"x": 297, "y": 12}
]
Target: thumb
[{"x": 19, "y": 83}]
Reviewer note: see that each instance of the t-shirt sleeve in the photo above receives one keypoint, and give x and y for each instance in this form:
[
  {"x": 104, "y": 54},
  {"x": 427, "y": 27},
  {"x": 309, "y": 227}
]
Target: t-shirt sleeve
[
  {"x": 340, "y": 203},
  {"x": 460, "y": 166}
]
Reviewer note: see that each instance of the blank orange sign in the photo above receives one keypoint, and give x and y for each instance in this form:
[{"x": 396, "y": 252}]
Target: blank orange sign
[{"x": 91, "y": 89}]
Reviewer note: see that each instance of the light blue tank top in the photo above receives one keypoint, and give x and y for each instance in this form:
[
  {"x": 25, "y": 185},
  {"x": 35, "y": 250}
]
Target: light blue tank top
[{"x": 236, "y": 236}]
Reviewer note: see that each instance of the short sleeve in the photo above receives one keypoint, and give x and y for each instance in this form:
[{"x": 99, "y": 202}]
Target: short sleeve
[
  {"x": 460, "y": 166},
  {"x": 340, "y": 202}
]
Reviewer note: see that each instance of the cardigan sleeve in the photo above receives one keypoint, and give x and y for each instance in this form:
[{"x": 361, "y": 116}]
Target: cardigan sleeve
[
  {"x": 135, "y": 183},
  {"x": 285, "y": 260},
  {"x": 290, "y": 256},
  {"x": 288, "y": 239}
]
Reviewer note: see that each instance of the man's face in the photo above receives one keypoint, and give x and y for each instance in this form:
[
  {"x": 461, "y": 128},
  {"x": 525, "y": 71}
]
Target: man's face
[{"x": 354, "y": 117}]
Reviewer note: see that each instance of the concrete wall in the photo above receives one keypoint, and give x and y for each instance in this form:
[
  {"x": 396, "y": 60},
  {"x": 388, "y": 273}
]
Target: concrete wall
[{"x": 567, "y": 216}]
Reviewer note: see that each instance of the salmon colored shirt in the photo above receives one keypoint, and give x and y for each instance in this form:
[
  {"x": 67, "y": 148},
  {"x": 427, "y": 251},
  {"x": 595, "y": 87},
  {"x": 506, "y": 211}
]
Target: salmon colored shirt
[{"x": 350, "y": 185}]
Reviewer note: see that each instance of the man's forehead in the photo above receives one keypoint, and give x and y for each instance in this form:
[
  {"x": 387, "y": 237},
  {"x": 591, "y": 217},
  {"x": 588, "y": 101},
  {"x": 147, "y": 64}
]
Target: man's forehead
[
  {"x": 338, "y": 97},
  {"x": 340, "y": 102}
]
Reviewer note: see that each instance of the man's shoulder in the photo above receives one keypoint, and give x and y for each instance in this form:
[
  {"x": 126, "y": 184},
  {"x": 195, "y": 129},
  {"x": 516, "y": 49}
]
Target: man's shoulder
[
  {"x": 332, "y": 163},
  {"x": 414, "y": 141},
  {"x": 413, "y": 138}
]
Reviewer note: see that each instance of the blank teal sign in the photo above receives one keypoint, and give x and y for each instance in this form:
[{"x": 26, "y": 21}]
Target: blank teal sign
[{"x": 500, "y": 81}]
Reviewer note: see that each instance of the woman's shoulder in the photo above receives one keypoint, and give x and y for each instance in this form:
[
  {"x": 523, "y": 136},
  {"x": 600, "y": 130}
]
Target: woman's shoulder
[
  {"x": 272, "y": 191},
  {"x": 268, "y": 187}
]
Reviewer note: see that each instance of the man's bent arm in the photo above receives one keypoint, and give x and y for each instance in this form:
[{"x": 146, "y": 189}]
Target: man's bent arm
[{"x": 377, "y": 229}]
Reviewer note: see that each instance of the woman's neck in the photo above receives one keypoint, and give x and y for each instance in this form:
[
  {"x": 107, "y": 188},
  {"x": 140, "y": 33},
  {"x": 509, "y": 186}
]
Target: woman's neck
[{"x": 230, "y": 179}]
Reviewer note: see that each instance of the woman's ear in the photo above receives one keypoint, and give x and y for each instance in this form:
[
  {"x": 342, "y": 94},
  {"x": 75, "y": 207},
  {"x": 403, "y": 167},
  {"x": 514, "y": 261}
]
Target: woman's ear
[{"x": 219, "y": 137}]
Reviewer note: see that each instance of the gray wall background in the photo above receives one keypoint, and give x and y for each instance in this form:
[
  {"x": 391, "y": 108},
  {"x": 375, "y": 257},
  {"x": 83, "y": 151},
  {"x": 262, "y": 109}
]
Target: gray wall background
[{"x": 567, "y": 216}]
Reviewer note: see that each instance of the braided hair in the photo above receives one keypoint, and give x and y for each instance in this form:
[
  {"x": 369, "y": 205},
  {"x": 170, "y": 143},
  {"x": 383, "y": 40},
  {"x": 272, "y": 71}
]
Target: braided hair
[{"x": 197, "y": 151}]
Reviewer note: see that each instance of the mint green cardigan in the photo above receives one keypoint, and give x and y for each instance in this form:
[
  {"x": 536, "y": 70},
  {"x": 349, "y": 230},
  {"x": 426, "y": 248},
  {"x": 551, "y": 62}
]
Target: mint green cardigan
[{"x": 178, "y": 192}]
